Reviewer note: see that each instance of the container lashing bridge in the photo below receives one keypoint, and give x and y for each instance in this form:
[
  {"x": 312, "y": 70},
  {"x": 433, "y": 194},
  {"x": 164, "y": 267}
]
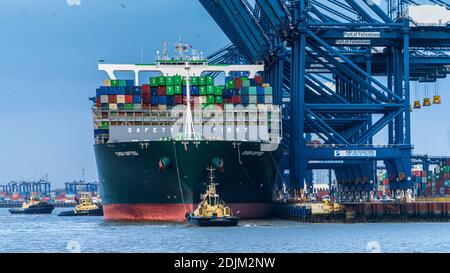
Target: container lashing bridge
[{"x": 342, "y": 71}]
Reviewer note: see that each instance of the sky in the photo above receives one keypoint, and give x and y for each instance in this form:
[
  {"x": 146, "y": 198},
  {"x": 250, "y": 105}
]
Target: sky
[{"x": 48, "y": 69}]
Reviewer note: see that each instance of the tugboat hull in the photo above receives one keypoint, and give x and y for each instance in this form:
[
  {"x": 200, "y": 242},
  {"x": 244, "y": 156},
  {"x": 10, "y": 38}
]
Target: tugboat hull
[
  {"x": 96, "y": 212},
  {"x": 38, "y": 210},
  {"x": 215, "y": 222}
]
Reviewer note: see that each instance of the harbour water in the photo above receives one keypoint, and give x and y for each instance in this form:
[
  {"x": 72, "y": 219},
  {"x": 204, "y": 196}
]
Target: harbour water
[{"x": 50, "y": 233}]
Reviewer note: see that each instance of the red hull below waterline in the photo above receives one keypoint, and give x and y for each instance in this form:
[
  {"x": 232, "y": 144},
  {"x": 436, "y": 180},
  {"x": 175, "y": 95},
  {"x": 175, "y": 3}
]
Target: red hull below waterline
[{"x": 177, "y": 212}]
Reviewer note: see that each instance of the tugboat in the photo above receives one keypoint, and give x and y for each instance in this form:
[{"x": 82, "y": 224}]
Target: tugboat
[
  {"x": 84, "y": 208},
  {"x": 33, "y": 206},
  {"x": 211, "y": 210}
]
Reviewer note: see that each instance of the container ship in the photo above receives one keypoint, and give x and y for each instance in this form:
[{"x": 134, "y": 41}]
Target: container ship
[{"x": 155, "y": 141}]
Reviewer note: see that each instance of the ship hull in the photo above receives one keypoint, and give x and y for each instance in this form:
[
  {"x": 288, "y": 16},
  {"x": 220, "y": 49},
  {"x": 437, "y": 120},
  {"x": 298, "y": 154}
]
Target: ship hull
[{"x": 136, "y": 186}]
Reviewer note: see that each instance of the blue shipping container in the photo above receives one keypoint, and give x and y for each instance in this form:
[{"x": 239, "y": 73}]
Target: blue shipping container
[
  {"x": 162, "y": 100},
  {"x": 128, "y": 90},
  {"x": 129, "y": 82},
  {"x": 170, "y": 100},
  {"x": 261, "y": 99},
  {"x": 154, "y": 100},
  {"x": 120, "y": 90},
  {"x": 137, "y": 99},
  {"x": 260, "y": 91},
  {"x": 194, "y": 90}
]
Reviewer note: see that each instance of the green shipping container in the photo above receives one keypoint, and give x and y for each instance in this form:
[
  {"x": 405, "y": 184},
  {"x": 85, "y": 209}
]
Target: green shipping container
[
  {"x": 170, "y": 90},
  {"x": 252, "y": 90},
  {"x": 129, "y": 106},
  {"x": 245, "y": 83},
  {"x": 114, "y": 82},
  {"x": 122, "y": 83},
  {"x": 219, "y": 99},
  {"x": 210, "y": 89},
  {"x": 218, "y": 90},
  {"x": 177, "y": 80},
  {"x": 268, "y": 90},
  {"x": 105, "y": 125},
  {"x": 210, "y": 99},
  {"x": 202, "y": 90},
  {"x": 177, "y": 89},
  {"x": 202, "y": 81},
  {"x": 230, "y": 84},
  {"x": 169, "y": 81},
  {"x": 161, "y": 80},
  {"x": 153, "y": 81},
  {"x": 210, "y": 80},
  {"x": 194, "y": 80}
]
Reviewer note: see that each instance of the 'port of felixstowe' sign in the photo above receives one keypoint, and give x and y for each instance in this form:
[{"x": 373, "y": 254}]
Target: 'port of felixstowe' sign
[
  {"x": 362, "y": 34},
  {"x": 355, "y": 153}
]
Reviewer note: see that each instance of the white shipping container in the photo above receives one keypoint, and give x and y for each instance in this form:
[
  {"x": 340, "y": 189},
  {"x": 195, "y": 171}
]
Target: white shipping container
[
  {"x": 104, "y": 98},
  {"x": 268, "y": 99},
  {"x": 428, "y": 15},
  {"x": 252, "y": 99}
]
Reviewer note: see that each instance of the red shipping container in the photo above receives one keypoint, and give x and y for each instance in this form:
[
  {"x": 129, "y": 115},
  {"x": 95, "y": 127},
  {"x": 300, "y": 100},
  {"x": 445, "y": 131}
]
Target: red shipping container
[
  {"x": 112, "y": 98},
  {"x": 146, "y": 99},
  {"x": 104, "y": 114},
  {"x": 259, "y": 80},
  {"x": 237, "y": 83},
  {"x": 145, "y": 106},
  {"x": 146, "y": 89},
  {"x": 178, "y": 99},
  {"x": 161, "y": 90},
  {"x": 128, "y": 98},
  {"x": 236, "y": 99},
  {"x": 99, "y": 104}
]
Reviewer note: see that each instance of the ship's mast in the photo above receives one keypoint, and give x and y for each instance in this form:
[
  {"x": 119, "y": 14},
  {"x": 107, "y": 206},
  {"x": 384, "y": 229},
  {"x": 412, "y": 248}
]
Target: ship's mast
[{"x": 188, "y": 123}]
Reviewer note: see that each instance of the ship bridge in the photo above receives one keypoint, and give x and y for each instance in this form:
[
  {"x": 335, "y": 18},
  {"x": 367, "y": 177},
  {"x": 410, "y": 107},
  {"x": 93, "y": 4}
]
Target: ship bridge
[{"x": 172, "y": 68}]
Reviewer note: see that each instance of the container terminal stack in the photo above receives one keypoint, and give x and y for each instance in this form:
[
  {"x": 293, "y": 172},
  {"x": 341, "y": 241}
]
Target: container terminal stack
[{"x": 343, "y": 73}]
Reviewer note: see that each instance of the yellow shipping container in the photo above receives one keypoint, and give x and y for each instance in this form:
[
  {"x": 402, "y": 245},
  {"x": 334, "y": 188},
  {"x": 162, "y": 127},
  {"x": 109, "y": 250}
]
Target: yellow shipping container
[
  {"x": 120, "y": 98},
  {"x": 113, "y": 106},
  {"x": 107, "y": 83}
]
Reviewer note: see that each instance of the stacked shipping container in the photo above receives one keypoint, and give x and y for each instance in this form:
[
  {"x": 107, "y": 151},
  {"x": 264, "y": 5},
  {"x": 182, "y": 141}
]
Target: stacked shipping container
[
  {"x": 435, "y": 183},
  {"x": 164, "y": 92}
]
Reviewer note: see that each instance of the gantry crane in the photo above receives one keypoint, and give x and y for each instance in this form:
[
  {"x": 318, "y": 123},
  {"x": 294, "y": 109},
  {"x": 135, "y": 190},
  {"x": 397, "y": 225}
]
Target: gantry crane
[{"x": 343, "y": 70}]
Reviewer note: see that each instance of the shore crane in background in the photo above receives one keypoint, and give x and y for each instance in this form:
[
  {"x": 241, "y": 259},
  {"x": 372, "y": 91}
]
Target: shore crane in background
[{"x": 342, "y": 71}]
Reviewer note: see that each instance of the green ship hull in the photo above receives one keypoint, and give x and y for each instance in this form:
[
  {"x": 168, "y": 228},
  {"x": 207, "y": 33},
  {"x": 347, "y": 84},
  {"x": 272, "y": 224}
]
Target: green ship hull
[{"x": 162, "y": 180}]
